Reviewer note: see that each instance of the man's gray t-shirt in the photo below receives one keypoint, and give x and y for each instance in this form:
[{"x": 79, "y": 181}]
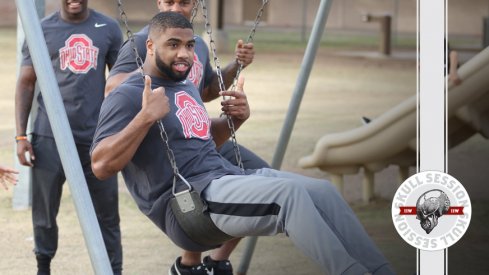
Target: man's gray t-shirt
[
  {"x": 200, "y": 74},
  {"x": 79, "y": 54},
  {"x": 149, "y": 175}
]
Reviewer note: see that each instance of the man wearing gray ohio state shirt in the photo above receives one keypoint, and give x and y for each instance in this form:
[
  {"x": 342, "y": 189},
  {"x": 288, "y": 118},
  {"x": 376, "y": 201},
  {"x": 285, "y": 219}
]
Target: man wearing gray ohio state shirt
[
  {"x": 206, "y": 81},
  {"x": 261, "y": 202},
  {"x": 81, "y": 44}
]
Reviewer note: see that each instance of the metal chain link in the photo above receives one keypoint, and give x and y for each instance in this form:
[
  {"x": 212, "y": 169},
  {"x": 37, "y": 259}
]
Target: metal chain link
[
  {"x": 222, "y": 87},
  {"x": 171, "y": 158},
  {"x": 130, "y": 37},
  {"x": 259, "y": 14},
  {"x": 195, "y": 10},
  {"x": 212, "y": 45}
]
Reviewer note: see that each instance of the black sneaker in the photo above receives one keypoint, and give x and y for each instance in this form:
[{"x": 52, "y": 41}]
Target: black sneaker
[
  {"x": 218, "y": 267},
  {"x": 43, "y": 265},
  {"x": 178, "y": 269}
]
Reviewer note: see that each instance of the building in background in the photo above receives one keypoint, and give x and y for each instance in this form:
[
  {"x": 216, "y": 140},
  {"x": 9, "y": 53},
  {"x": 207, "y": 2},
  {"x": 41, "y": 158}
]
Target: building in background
[{"x": 465, "y": 18}]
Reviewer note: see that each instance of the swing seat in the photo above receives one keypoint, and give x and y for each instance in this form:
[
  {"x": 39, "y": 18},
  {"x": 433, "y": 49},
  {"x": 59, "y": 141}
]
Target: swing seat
[{"x": 192, "y": 216}]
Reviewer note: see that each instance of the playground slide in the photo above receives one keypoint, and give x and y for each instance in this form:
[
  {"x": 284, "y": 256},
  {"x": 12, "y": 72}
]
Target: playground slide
[{"x": 390, "y": 139}]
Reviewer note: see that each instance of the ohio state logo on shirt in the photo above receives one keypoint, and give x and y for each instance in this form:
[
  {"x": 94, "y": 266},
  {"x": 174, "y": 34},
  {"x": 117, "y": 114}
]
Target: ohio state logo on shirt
[
  {"x": 196, "y": 72},
  {"x": 79, "y": 54},
  {"x": 193, "y": 117}
]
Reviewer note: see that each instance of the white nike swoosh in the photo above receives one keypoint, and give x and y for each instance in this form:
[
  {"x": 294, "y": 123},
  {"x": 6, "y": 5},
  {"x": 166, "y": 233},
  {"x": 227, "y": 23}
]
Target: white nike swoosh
[{"x": 97, "y": 25}]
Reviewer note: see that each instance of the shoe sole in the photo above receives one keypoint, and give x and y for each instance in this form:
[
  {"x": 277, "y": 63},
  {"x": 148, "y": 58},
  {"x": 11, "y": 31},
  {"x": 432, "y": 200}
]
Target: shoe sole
[{"x": 170, "y": 273}]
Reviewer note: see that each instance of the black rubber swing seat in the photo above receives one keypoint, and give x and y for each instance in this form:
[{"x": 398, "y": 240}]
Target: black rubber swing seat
[{"x": 191, "y": 214}]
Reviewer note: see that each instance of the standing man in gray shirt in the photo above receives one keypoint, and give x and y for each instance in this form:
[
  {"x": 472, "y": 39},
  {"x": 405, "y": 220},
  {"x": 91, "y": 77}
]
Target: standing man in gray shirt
[{"x": 81, "y": 44}]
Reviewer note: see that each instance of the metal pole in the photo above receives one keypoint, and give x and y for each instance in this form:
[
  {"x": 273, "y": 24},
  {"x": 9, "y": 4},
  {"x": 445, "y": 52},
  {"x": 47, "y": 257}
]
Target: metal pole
[
  {"x": 305, "y": 71},
  {"x": 64, "y": 139},
  {"x": 22, "y": 195}
]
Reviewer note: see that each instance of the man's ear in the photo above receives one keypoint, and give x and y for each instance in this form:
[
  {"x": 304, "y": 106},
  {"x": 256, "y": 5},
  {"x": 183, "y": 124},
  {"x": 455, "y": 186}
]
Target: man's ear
[{"x": 149, "y": 46}]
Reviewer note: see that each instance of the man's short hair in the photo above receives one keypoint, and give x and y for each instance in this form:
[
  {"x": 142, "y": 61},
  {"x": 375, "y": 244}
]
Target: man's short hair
[{"x": 164, "y": 20}]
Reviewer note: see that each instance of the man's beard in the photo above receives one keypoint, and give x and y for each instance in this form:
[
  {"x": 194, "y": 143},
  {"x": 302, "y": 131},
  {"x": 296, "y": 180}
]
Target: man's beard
[{"x": 167, "y": 70}]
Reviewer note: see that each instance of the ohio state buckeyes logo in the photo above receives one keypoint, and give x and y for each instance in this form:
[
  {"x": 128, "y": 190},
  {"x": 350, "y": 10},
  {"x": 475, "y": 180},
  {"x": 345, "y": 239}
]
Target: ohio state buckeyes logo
[
  {"x": 79, "y": 54},
  {"x": 193, "y": 117},
  {"x": 196, "y": 72}
]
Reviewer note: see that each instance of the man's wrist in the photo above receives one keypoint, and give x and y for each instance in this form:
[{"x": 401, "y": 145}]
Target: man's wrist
[{"x": 20, "y": 137}]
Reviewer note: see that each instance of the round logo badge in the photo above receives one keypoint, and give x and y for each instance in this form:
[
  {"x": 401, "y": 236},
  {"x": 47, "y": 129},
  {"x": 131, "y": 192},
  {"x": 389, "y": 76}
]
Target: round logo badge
[{"x": 431, "y": 210}]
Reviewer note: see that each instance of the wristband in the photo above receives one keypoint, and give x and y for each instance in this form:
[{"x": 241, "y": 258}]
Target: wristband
[{"x": 18, "y": 138}]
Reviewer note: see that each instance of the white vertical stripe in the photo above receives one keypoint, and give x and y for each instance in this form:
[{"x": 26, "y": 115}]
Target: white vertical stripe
[
  {"x": 431, "y": 107},
  {"x": 431, "y": 86}
]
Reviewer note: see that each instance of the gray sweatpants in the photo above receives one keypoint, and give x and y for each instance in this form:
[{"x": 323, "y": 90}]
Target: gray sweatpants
[{"x": 310, "y": 211}]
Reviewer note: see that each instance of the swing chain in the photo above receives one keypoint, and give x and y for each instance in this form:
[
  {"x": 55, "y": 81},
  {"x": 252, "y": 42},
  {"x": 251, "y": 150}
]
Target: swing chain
[
  {"x": 169, "y": 152},
  {"x": 195, "y": 10},
  {"x": 259, "y": 15},
  {"x": 230, "y": 122},
  {"x": 130, "y": 37},
  {"x": 212, "y": 45},
  {"x": 222, "y": 87},
  {"x": 171, "y": 158}
]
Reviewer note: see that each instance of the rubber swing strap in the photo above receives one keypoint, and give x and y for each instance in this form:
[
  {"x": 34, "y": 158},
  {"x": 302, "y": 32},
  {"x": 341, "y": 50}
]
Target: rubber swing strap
[{"x": 192, "y": 216}]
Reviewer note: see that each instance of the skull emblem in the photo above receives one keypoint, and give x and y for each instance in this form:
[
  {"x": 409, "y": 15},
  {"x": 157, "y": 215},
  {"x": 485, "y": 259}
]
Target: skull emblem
[{"x": 430, "y": 206}]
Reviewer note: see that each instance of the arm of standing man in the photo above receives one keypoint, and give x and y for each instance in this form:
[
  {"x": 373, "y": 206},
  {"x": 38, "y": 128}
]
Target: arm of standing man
[
  {"x": 453, "y": 70},
  {"x": 24, "y": 94},
  {"x": 7, "y": 175},
  {"x": 115, "y": 80},
  {"x": 244, "y": 55},
  {"x": 111, "y": 59},
  {"x": 125, "y": 62}
]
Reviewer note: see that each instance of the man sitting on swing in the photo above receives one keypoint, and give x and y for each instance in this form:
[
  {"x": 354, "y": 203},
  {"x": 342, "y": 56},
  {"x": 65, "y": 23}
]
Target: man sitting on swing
[
  {"x": 256, "y": 203},
  {"x": 206, "y": 80}
]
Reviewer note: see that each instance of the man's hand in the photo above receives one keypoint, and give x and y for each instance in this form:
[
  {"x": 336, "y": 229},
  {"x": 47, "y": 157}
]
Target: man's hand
[
  {"x": 244, "y": 53},
  {"x": 455, "y": 79},
  {"x": 155, "y": 102},
  {"x": 236, "y": 106},
  {"x": 23, "y": 147},
  {"x": 7, "y": 175},
  {"x": 453, "y": 70}
]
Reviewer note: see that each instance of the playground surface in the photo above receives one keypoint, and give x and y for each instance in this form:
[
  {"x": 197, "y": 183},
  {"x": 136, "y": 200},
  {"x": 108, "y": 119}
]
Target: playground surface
[{"x": 341, "y": 89}]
